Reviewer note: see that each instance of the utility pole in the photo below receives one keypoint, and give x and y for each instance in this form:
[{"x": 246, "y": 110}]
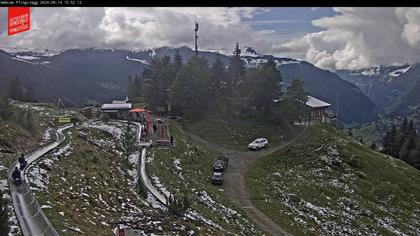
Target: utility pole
[{"x": 196, "y": 38}]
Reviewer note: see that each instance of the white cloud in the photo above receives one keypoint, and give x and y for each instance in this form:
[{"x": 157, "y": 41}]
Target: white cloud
[
  {"x": 130, "y": 28},
  {"x": 360, "y": 37}
]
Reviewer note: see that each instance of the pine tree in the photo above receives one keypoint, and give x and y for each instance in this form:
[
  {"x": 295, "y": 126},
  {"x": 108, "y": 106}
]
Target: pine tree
[
  {"x": 404, "y": 128},
  {"x": 131, "y": 87},
  {"x": 296, "y": 91},
  {"x": 373, "y": 145},
  {"x": 16, "y": 89},
  {"x": 236, "y": 68},
  {"x": 29, "y": 94},
  {"x": 219, "y": 85},
  {"x": 403, "y": 132},
  {"x": 219, "y": 77},
  {"x": 298, "y": 97},
  {"x": 261, "y": 87},
  {"x": 5, "y": 109},
  {"x": 414, "y": 157},
  {"x": 4, "y": 216},
  {"x": 129, "y": 139},
  {"x": 191, "y": 89},
  {"x": 408, "y": 145},
  {"x": 412, "y": 128},
  {"x": 160, "y": 76},
  {"x": 391, "y": 142},
  {"x": 177, "y": 62}
]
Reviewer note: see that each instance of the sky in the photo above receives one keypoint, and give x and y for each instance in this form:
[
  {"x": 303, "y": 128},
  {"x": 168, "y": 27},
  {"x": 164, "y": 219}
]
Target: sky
[{"x": 330, "y": 38}]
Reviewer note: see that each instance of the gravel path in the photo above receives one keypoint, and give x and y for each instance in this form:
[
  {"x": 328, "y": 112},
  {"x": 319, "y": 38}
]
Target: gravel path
[{"x": 235, "y": 184}]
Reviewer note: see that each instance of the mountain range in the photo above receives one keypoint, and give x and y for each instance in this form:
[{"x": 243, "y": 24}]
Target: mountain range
[
  {"x": 393, "y": 89},
  {"x": 83, "y": 75}
]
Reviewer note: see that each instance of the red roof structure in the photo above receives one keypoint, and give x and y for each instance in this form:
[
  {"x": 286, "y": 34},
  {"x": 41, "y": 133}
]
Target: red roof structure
[{"x": 136, "y": 110}]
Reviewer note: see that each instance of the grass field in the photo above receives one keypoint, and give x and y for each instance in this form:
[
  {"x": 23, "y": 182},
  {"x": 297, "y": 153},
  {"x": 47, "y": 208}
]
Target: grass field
[
  {"x": 87, "y": 188},
  {"x": 237, "y": 134},
  {"x": 186, "y": 171},
  {"x": 328, "y": 183}
]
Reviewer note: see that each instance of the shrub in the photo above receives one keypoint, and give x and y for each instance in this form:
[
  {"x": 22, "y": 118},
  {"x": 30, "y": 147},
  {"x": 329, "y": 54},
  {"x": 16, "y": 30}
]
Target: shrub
[
  {"x": 178, "y": 205},
  {"x": 142, "y": 191},
  {"x": 354, "y": 162}
]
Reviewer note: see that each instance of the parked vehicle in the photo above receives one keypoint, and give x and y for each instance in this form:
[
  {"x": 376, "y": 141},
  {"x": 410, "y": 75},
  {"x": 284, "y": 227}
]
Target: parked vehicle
[
  {"x": 225, "y": 160},
  {"x": 217, "y": 178},
  {"x": 258, "y": 144},
  {"x": 218, "y": 165}
]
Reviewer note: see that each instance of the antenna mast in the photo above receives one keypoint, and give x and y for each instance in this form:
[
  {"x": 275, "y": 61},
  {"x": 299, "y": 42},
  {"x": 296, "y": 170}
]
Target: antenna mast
[{"x": 196, "y": 38}]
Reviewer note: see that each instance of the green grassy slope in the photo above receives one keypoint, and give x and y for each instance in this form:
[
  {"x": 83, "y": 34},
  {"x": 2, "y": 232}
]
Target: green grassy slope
[
  {"x": 327, "y": 183},
  {"x": 186, "y": 171},
  {"x": 237, "y": 134}
]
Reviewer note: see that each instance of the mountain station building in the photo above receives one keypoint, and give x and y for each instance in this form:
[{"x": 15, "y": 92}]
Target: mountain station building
[{"x": 116, "y": 110}]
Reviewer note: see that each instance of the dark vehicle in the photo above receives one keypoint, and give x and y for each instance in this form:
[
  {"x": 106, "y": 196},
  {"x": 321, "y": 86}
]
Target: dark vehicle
[
  {"x": 22, "y": 162},
  {"x": 225, "y": 161},
  {"x": 217, "y": 178},
  {"x": 218, "y": 165},
  {"x": 16, "y": 176}
]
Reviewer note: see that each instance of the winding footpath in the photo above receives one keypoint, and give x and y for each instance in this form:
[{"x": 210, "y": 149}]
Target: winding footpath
[
  {"x": 235, "y": 184},
  {"x": 32, "y": 220}
]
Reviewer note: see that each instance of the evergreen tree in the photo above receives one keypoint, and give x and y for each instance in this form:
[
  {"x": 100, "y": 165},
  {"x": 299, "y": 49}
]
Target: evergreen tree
[
  {"x": 131, "y": 87},
  {"x": 404, "y": 128},
  {"x": 4, "y": 216},
  {"x": 219, "y": 85},
  {"x": 219, "y": 77},
  {"x": 391, "y": 142},
  {"x": 16, "y": 89},
  {"x": 160, "y": 76},
  {"x": 265, "y": 82},
  {"x": 29, "y": 94},
  {"x": 373, "y": 145},
  {"x": 350, "y": 133},
  {"x": 414, "y": 157},
  {"x": 361, "y": 141},
  {"x": 296, "y": 91},
  {"x": 412, "y": 128},
  {"x": 236, "y": 68},
  {"x": 177, "y": 62},
  {"x": 407, "y": 147},
  {"x": 403, "y": 132},
  {"x": 129, "y": 140},
  {"x": 5, "y": 109},
  {"x": 297, "y": 96},
  {"x": 191, "y": 89},
  {"x": 30, "y": 122}
]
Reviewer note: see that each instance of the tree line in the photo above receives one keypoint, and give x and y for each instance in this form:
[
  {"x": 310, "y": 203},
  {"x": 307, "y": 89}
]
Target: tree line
[
  {"x": 195, "y": 88},
  {"x": 18, "y": 91},
  {"x": 24, "y": 118},
  {"x": 403, "y": 143}
]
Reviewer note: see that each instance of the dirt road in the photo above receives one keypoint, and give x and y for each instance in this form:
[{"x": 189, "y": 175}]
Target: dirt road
[{"x": 235, "y": 184}]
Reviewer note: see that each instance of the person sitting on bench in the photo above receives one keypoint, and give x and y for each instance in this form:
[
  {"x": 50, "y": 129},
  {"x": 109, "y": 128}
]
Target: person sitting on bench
[
  {"x": 17, "y": 178},
  {"x": 22, "y": 161}
]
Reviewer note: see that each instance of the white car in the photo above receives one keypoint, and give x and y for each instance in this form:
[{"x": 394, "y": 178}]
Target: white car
[{"x": 258, "y": 144}]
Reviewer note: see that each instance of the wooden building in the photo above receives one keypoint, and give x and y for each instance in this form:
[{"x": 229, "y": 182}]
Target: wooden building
[
  {"x": 116, "y": 110},
  {"x": 91, "y": 112},
  {"x": 318, "y": 108}
]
